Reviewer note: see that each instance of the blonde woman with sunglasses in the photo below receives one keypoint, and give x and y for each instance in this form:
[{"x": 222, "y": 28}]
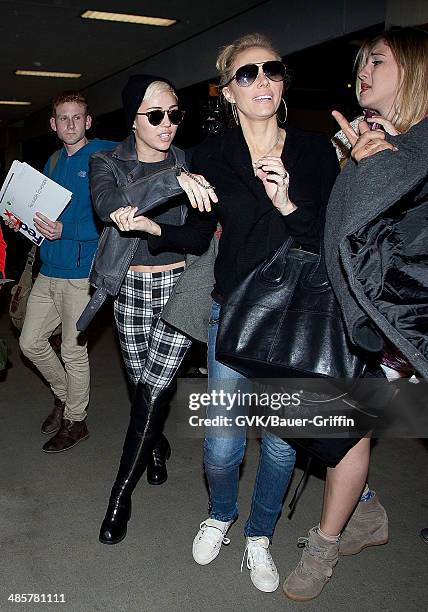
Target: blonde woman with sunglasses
[{"x": 272, "y": 182}]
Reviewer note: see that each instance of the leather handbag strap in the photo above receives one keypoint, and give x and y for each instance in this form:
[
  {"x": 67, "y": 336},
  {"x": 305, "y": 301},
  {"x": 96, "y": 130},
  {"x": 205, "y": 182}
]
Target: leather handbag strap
[
  {"x": 273, "y": 270},
  {"x": 318, "y": 276}
]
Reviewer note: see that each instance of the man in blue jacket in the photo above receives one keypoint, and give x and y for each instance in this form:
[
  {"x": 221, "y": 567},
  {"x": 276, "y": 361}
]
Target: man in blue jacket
[{"x": 61, "y": 290}]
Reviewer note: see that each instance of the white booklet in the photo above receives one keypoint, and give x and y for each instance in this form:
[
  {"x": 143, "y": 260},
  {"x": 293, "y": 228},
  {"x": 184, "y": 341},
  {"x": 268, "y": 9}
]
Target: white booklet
[{"x": 26, "y": 191}]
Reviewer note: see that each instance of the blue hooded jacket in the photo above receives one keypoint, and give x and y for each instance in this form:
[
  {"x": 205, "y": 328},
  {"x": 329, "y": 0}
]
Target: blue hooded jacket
[{"x": 71, "y": 255}]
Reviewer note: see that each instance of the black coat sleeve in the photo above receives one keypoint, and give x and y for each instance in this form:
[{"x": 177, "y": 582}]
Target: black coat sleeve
[
  {"x": 193, "y": 237},
  {"x": 329, "y": 170},
  {"x": 311, "y": 181}
]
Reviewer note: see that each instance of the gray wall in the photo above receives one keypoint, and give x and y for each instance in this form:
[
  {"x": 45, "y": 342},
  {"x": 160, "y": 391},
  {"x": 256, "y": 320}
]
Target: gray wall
[{"x": 400, "y": 12}]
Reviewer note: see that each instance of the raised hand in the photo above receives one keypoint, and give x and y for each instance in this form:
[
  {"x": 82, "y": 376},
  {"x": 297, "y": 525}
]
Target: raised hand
[
  {"x": 366, "y": 142},
  {"x": 126, "y": 221},
  {"x": 198, "y": 190},
  {"x": 387, "y": 125},
  {"x": 346, "y": 127},
  {"x": 276, "y": 180}
]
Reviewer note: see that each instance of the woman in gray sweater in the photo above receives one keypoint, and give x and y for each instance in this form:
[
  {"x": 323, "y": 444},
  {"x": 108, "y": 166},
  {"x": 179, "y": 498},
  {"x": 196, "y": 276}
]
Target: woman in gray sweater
[{"x": 376, "y": 238}]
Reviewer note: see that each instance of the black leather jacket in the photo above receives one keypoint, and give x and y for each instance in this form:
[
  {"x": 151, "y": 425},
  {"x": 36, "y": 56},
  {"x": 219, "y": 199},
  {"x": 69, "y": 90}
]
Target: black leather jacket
[{"x": 117, "y": 180}]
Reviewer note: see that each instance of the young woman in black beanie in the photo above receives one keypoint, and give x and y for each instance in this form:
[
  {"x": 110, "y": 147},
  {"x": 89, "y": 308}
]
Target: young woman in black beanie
[{"x": 144, "y": 172}]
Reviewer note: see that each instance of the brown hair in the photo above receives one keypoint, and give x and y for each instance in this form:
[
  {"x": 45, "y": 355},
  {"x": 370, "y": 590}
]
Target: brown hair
[
  {"x": 409, "y": 46},
  {"x": 69, "y": 96},
  {"x": 228, "y": 54}
]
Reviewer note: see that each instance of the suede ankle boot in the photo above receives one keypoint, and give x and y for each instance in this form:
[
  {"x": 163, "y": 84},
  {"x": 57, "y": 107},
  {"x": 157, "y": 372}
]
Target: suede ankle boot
[
  {"x": 368, "y": 526},
  {"x": 315, "y": 568},
  {"x": 147, "y": 416}
]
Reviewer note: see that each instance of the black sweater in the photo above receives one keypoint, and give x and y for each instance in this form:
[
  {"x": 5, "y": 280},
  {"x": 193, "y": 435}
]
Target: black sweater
[{"x": 252, "y": 228}]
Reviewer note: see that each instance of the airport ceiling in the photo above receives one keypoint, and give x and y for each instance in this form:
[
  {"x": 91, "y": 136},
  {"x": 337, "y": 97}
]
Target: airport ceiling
[{"x": 51, "y": 35}]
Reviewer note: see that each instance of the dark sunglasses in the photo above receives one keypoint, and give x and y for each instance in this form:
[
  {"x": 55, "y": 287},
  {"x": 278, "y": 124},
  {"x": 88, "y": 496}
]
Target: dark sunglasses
[
  {"x": 155, "y": 117},
  {"x": 245, "y": 76}
]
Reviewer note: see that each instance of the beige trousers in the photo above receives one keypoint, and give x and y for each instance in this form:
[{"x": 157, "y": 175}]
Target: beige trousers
[{"x": 55, "y": 301}]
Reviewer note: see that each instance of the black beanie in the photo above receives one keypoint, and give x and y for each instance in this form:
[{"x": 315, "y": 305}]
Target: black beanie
[{"x": 134, "y": 92}]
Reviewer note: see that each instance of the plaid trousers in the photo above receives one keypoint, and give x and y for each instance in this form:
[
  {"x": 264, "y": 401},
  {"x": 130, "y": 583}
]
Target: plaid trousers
[{"x": 151, "y": 349}]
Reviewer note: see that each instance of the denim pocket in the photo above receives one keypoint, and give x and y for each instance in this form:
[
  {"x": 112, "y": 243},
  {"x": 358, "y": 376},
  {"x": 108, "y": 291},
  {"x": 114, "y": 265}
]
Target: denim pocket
[{"x": 214, "y": 314}]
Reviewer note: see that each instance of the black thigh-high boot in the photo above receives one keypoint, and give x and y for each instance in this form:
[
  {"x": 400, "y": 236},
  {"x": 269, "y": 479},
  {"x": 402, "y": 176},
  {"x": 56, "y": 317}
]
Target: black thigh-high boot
[
  {"x": 157, "y": 473},
  {"x": 144, "y": 430}
]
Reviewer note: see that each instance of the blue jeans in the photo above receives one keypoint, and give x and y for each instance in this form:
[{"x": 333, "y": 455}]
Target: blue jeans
[{"x": 223, "y": 457}]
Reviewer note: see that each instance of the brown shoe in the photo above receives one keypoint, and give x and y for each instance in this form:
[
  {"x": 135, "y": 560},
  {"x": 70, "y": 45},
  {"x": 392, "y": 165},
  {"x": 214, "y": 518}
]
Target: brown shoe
[
  {"x": 53, "y": 422},
  {"x": 368, "y": 526},
  {"x": 69, "y": 434},
  {"x": 315, "y": 569}
]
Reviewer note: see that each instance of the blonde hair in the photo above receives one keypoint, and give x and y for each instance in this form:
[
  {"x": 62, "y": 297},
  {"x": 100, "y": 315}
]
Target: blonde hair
[
  {"x": 228, "y": 54},
  {"x": 158, "y": 87},
  {"x": 409, "y": 46}
]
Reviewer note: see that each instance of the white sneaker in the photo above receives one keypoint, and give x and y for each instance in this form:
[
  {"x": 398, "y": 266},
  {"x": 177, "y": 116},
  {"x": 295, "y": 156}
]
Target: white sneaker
[
  {"x": 208, "y": 541},
  {"x": 263, "y": 572}
]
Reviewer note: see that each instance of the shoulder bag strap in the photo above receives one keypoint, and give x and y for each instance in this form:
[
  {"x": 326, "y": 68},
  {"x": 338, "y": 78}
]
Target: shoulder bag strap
[
  {"x": 53, "y": 161},
  {"x": 30, "y": 258}
]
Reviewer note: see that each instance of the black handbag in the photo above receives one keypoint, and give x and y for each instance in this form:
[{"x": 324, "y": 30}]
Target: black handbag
[{"x": 283, "y": 320}]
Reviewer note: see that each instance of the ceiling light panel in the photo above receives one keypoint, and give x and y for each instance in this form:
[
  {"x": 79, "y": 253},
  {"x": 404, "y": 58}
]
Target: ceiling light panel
[
  {"x": 125, "y": 18},
  {"x": 14, "y": 103},
  {"x": 49, "y": 74}
]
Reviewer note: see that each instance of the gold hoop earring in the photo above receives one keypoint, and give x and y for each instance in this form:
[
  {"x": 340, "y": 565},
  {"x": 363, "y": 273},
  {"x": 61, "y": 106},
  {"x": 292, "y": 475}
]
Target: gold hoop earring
[
  {"x": 282, "y": 121},
  {"x": 234, "y": 113}
]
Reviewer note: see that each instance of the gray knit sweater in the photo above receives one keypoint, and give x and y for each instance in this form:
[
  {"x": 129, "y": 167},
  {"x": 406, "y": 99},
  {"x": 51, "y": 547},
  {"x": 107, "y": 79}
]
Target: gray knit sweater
[{"x": 376, "y": 247}]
